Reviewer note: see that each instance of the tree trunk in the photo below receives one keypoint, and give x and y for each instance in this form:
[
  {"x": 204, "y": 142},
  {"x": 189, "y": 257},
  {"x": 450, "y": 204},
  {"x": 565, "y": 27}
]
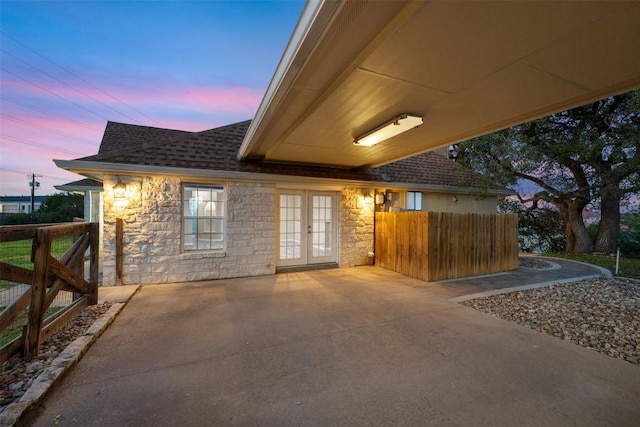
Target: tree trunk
[
  {"x": 568, "y": 231},
  {"x": 607, "y": 237},
  {"x": 583, "y": 243},
  {"x": 578, "y": 240}
]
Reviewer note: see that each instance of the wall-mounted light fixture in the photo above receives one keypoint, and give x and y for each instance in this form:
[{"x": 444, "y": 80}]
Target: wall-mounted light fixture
[
  {"x": 380, "y": 199},
  {"x": 453, "y": 152},
  {"x": 454, "y": 198},
  {"x": 368, "y": 199},
  {"x": 119, "y": 190},
  {"x": 393, "y": 127}
]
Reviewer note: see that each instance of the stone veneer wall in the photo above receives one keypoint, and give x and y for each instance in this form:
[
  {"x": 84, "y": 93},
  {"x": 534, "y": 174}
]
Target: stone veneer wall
[
  {"x": 152, "y": 233},
  {"x": 356, "y": 228}
]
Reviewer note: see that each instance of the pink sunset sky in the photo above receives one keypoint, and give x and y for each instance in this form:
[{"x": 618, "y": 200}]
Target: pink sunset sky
[{"x": 69, "y": 67}]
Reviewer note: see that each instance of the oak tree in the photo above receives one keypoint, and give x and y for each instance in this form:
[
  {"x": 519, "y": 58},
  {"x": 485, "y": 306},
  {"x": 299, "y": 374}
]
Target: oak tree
[{"x": 589, "y": 154}]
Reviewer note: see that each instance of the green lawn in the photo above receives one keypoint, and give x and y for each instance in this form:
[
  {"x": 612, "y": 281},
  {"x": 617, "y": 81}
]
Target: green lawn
[
  {"x": 628, "y": 267},
  {"x": 19, "y": 253},
  {"x": 15, "y": 329}
]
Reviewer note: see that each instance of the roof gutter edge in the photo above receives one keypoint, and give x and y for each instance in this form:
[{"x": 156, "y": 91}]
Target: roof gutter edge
[
  {"x": 96, "y": 170},
  {"x": 284, "y": 76}
]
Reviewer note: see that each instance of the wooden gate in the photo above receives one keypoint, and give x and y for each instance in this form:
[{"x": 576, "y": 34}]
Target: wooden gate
[
  {"x": 441, "y": 245},
  {"x": 48, "y": 277}
]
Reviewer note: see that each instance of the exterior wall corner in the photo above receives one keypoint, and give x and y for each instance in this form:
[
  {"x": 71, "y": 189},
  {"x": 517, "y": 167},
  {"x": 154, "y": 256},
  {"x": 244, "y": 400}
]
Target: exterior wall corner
[{"x": 356, "y": 232}]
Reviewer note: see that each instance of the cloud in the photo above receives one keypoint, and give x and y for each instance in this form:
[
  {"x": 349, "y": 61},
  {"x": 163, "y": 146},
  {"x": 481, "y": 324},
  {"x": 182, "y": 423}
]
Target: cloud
[
  {"x": 38, "y": 126},
  {"x": 227, "y": 100},
  {"x": 27, "y": 129},
  {"x": 20, "y": 160},
  {"x": 119, "y": 103}
]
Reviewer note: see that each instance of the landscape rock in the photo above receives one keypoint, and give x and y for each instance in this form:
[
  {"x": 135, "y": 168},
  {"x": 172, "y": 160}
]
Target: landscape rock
[
  {"x": 17, "y": 376},
  {"x": 600, "y": 314}
]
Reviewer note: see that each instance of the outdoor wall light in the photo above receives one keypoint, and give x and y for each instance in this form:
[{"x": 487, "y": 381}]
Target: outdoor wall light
[
  {"x": 395, "y": 126},
  {"x": 453, "y": 152},
  {"x": 380, "y": 199},
  {"x": 119, "y": 190},
  {"x": 368, "y": 199}
]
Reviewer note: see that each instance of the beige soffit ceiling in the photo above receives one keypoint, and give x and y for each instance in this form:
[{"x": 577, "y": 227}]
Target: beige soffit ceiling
[{"x": 468, "y": 67}]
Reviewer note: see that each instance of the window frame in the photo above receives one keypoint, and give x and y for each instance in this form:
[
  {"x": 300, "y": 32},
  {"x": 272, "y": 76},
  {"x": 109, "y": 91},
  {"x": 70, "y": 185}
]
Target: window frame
[
  {"x": 412, "y": 194},
  {"x": 220, "y": 189}
]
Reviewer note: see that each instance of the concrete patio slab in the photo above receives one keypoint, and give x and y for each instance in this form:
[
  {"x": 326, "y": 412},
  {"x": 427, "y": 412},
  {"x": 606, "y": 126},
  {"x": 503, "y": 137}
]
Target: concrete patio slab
[
  {"x": 43, "y": 383},
  {"x": 116, "y": 294},
  {"x": 355, "y": 346}
]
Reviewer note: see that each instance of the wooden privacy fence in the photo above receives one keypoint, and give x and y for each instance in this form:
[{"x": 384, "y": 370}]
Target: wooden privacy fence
[
  {"x": 441, "y": 245},
  {"x": 48, "y": 277}
]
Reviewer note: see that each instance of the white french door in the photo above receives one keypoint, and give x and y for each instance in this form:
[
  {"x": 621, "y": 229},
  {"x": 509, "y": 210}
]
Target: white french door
[{"x": 307, "y": 227}]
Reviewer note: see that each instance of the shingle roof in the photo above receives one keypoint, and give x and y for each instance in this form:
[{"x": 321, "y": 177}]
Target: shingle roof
[
  {"x": 119, "y": 136},
  {"x": 82, "y": 183},
  {"x": 216, "y": 149}
]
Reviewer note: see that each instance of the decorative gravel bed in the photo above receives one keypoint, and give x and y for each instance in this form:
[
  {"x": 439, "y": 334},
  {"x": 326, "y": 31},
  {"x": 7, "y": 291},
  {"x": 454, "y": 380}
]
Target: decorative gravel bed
[
  {"x": 530, "y": 262},
  {"x": 602, "y": 314},
  {"x": 16, "y": 375}
]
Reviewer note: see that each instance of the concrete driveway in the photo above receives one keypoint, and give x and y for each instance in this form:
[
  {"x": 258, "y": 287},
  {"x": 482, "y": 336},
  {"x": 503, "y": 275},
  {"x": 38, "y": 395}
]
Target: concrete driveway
[{"x": 358, "y": 346}]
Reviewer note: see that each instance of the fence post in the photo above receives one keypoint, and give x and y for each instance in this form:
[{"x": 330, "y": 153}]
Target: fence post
[
  {"x": 119, "y": 249},
  {"x": 40, "y": 258},
  {"x": 78, "y": 268},
  {"x": 94, "y": 243}
]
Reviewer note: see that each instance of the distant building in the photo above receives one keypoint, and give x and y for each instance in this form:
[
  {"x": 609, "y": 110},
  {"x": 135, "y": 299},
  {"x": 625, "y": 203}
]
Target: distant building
[{"x": 19, "y": 204}]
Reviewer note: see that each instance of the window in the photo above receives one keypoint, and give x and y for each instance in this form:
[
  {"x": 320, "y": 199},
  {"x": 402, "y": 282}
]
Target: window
[
  {"x": 203, "y": 218},
  {"x": 414, "y": 201}
]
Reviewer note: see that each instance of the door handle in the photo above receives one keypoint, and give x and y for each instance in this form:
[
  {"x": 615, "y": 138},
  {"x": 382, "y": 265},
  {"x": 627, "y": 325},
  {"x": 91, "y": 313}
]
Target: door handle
[{"x": 309, "y": 231}]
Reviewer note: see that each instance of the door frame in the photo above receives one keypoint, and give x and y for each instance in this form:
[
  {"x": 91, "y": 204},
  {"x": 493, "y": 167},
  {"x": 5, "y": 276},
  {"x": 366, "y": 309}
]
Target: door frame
[{"x": 306, "y": 242}]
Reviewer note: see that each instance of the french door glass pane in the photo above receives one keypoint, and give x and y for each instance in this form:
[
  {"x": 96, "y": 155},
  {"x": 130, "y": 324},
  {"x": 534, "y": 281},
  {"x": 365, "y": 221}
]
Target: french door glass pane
[
  {"x": 321, "y": 226},
  {"x": 290, "y": 226}
]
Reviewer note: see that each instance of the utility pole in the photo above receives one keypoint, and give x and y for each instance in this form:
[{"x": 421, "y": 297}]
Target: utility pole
[{"x": 33, "y": 184}]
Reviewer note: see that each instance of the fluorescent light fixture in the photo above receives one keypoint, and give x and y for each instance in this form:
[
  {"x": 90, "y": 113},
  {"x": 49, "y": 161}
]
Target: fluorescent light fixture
[{"x": 395, "y": 126}]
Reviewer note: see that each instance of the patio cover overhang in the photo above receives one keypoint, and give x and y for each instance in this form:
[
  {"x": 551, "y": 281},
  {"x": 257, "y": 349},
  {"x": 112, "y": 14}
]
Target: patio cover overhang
[{"x": 468, "y": 68}]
